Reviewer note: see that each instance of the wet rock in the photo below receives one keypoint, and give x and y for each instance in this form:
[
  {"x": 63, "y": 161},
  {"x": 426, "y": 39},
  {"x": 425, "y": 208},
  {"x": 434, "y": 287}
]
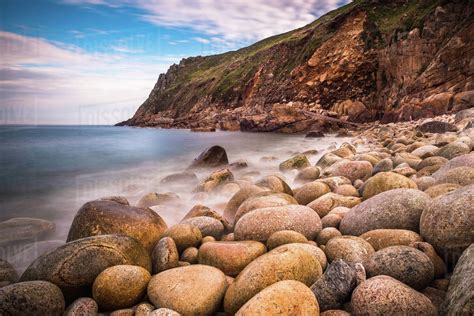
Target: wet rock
[
  {"x": 120, "y": 286},
  {"x": 23, "y": 229},
  {"x": 447, "y": 223},
  {"x": 180, "y": 178},
  {"x": 282, "y": 298},
  {"x": 324, "y": 204},
  {"x": 83, "y": 306},
  {"x": 460, "y": 294},
  {"x": 394, "y": 209},
  {"x": 153, "y": 198},
  {"x": 461, "y": 176},
  {"x": 385, "y": 181},
  {"x": 314, "y": 134},
  {"x": 308, "y": 174},
  {"x": 201, "y": 210},
  {"x": 383, "y": 295},
  {"x": 238, "y": 198},
  {"x": 22, "y": 259},
  {"x": 215, "y": 180},
  {"x": 352, "y": 170},
  {"x": 265, "y": 199},
  {"x": 200, "y": 289},
  {"x": 286, "y": 262},
  {"x": 207, "y": 225},
  {"x": 383, "y": 238},
  {"x": 284, "y": 237},
  {"x": 275, "y": 183},
  {"x": 404, "y": 263},
  {"x": 311, "y": 191},
  {"x": 211, "y": 157},
  {"x": 31, "y": 298},
  {"x": 260, "y": 224},
  {"x": 438, "y": 263},
  {"x": 383, "y": 165},
  {"x": 107, "y": 217},
  {"x": 334, "y": 288},
  {"x": 348, "y": 248},
  {"x": 8, "y": 274},
  {"x": 345, "y": 151},
  {"x": 327, "y": 234},
  {"x": 184, "y": 235},
  {"x": 164, "y": 255},
  {"x": 74, "y": 266},
  {"x": 327, "y": 160},
  {"x": 190, "y": 255},
  {"x": 298, "y": 162},
  {"x": 436, "y": 127}
]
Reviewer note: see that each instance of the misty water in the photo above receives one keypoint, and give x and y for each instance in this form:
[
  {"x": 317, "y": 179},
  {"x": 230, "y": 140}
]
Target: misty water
[{"x": 48, "y": 172}]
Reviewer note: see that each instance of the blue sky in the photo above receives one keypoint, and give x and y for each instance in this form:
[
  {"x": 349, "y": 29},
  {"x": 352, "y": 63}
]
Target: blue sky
[{"x": 95, "y": 61}]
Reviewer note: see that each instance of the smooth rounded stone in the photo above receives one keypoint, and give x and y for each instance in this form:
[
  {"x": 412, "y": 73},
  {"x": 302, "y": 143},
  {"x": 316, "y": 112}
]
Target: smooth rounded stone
[
  {"x": 238, "y": 198},
  {"x": 352, "y": 170},
  {"x": 265, "y": 199},
  {"x": 311, "y": 191},
  {"x": 383, "y": 165},
  {"x": 83, "y": 306},
  {"x": 120, "y": 286},
  {"x": 448, "y": 221},
  {"x": 348, "y": 248},
  {"x": 143, "y": 309},
  {"x": 331, "y": 220},
  {"x": 211, "y": 157},
  {"x": 184, "y": 235},
  {"x": 432, "y": 161},
  {"x": 214, "y": 181},
  {"x": 436, "y": 127},
  {"x": 428, "y": 171},
  {"x": 284, "y": 237},
  {"x": 108, "y": 217},
  {"x": 441, "y": 189},
  {"x": 22, "y": 259},
  {"x": 122, "y": 312},
  {"x": 334, "y": 288},
  {"x": 191, "y": 290},
  {"x": 207, "y": 225},
  {"x": 74, "y": 266},
  {"x": 335, "y": 312},
  {"x": 346, "y": 190},
  {"x": 308, "y": 174},
  {"x": 425, "y": 151},
  {"x": 154, "y": 198},
  {"x": 406, "y": 158},
  {"x": 345, "y": 151},
  {"x": 453, "y": 150},
  {"x": 179, "y": 178},
  {"x": 324, "y": 204},
  {"x": 165, "y": 255},
  {"x": 327, "y": 160},
  {"x": 8, "y": 273},
  {"x": 231, "y": 257},
  {"x": 394, "y": 209},
  {"x": 334, "y": 182},
  {"x": 163, "y": 312},
  {"x": 460, "y": 294},
  {"x": 367, "y": 157},
  {"x": 438, "y": 263},
  {"x": 462, "y": 176},
  {"x": 404, "y": 170},
  {"x": 116, "y": 198},
  {"x": 22, "y": 229},
  {"x": 209, "y": 239},
  {"x": 384, "y": 295},
  {"x": 314, "y": 250},
  {"x": 425, "y": 183},
  {"x": 260, "y": 224},
  {"x": 190, "y": 255},
  {"x": 201, "y": 210},
  {"x": 382, "y": 238},
  {"x": 287, "y": 297},
  {"x": 275, "y": 183},
  {"x": 287, "y": 262},
  {"x": 385, "y": 181},
  {"x": 460, "y": 161},
  {"x": 327, "y": 234},
  {"x": 31, "y": 298},
  {"x": 340, "y": 210},
  {"x": 404, "y": 263},
  {"x": 297, "y": 162}
]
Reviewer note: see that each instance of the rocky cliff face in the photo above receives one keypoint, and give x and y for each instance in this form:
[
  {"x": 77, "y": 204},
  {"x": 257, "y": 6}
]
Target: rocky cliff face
[{"x": 369, "y": 60}]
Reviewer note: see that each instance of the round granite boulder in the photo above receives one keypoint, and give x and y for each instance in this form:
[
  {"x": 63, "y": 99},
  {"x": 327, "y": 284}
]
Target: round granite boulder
[
  {"x": 207, "y": 225},
  {"x": 284, "y": 237},
  {"x": 324, "y": 204},
  {"x": 31, "y": 298},
  {"x": 461, "y": 175},
  {"x": 239, "y": 197},
  {"x": 382, "y": 238},
  {"x": 440, "y": 189},
  {"x": 83, "y": 306},
  {"x": 184, "y": 235},
  {"x": 108, "y": 217},
  {"x": 348, "y": 248},
  {"x": 383, "y": 165},
  {"x": 311, "y": 191},
  {"x": 275, "y": 183},
  {"x": 297, "y": 162},
  {"x": 165, "y": 255},
  {"x": 211, "y": 157},
  {"x": 327, "y": 234},
  {"x": 265, "y": 199},
  {"x": 460, "y": 161},
  {"x": 394, "y": 209},
  {"x": 352, "y": 170},
  {"x": 453, "y": 150},
  {"x": 385, "y": 181},
  {"x": 190, "y": 290},
  {"x": 308, "y": 174}
]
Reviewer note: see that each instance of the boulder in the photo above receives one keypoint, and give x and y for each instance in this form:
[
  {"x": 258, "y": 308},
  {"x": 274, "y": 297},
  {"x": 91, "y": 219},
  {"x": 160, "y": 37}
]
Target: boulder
[
  {"x": 394, "y": 209},
  {"x": 83, "y": 306},
  {"x": 327, "y": 160},
  {"x": 143, "y": 309},
  {"x": 23, "y": 229},
  {"x": 275, "y": 183},
  {"x": 352, "y": 109},
  {"x": 327, "y": 234},
  {"x": 108, "y": 217},
  {"x": 154, "y": 198},
  {"x": 453, "y": 150},
  {"x": 346, "y": 190},
  {"x": 8, "y": 274},
  {"x": 385, "y": 181},
  {"x": 284, "y": 237},
  {"x": 215, "y": 180},
  {"x": 325, "y": 203},
  {"x": 308, "y": 174},
  {"x": 189, "y": 255},
  {"x": 460, "y": 161},
  {"x": 311, "y": 191},
  {"x": 207, "y": 225},
  {"x": 432, "y": 161},
  {"x": 335, "y": 182},
  {"x": 164, "y": 255},
  {"x": 425, "y": 182},
  {"x": 120, "y": 286},
  {"x": 352, "y": 170},
  {"x": 191, "y": 290},
  {"x": 265, "y": 199},
  {"x": 74, "y": 266},
  {"x": 287, "y": 297},
  {"x": 231, "y": 257},
  {"x": 314, "y": 250},
  {"x": 436, "y": 127},
  {"x": 383, "y": 238},
  {"x": 464, "y": 114},
  {"x": 260, "y": 224},
  {"x": 437, "y": 104},
  {"x": 404, "y": 263},
  {"x": 238, "y": 198},
  {"x": 180, "y": 178},
  {"x": 383, "y": 295},
  {"x": 461, "y": 176},
  {"x": 425, "y": 151},
  {"x": 21, "y": 260},
  {"x": 31, "y": 298},
  {"x": 383, "y": 165},
  {"x": 297, "y": 162},
  {"x": 286, "y": 262},
  {"x": 438, "y": 263},
  {"x": 348, "y": 248},
  {"x": 163, "y": 312},
  {"x": 184, "y": 235},
  {"x": 448, "y": 223},
  {"x": 211, "y": 157},
  {"x": 201, "y": 210}
]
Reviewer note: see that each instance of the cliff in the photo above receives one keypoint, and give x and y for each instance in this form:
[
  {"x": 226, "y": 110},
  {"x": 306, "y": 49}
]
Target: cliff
[{"x": 369, "y": 60}]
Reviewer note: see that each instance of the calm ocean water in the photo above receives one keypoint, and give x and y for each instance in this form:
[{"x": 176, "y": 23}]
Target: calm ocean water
[{"x": 48, "y": 172}]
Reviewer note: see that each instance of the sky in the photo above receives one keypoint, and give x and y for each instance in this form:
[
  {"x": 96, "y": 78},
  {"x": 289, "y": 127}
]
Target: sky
[{"x": 93, "y": 62}]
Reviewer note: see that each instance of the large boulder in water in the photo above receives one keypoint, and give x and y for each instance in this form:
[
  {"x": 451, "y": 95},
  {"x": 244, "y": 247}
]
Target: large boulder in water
[
  {"x": 448, "y": 223},
  {"x": 74, "y": 266},
  {"x": 23, "y": 229},
  {"x": 397, "y": 209},
  {"x": 108, "y": 217},
  {"x": 214, "y": 156},
  {"x": 31, "y": 298}
]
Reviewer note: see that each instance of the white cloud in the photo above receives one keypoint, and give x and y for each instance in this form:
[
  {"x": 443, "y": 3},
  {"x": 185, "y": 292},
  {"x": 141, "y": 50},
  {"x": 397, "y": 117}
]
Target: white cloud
[{"x": 201, "y": 40}]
